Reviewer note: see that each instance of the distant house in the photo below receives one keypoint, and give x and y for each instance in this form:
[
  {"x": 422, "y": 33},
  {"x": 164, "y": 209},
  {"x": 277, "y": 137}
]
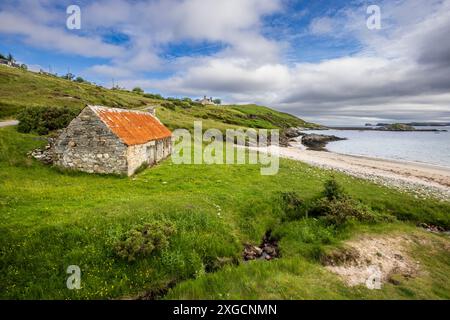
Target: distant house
[
  {"x": 9, "y": 63},
  {"x": 206, "y": 101},
  {"x": 110, "y": 140},
  {"x": 5, "y": 62}
]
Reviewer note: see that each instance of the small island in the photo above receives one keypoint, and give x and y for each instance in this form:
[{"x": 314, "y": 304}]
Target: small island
[
  {"x": 397, "y": 127},
  {"x": 404, "y": 127}
]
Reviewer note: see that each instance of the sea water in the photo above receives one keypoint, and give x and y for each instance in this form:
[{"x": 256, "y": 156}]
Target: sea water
[{"x": 424, "y": 147}]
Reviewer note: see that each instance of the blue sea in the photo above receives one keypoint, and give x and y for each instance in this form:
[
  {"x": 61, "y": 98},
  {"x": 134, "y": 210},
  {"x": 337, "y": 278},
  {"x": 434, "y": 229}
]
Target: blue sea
[{"x": 423, "y": 147}]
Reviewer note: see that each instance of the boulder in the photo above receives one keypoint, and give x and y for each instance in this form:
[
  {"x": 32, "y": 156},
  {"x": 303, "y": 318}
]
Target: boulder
[{"x": 318, "y": 141}]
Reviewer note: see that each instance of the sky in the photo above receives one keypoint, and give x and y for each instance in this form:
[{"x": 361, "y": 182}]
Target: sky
[{"x": 316, "y": 59}]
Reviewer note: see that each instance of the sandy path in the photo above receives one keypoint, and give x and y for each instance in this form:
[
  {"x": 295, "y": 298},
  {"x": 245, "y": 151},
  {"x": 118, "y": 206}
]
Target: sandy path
[
  {"x": 8, "y": 123},
  {"x": 422, "y": 179}
]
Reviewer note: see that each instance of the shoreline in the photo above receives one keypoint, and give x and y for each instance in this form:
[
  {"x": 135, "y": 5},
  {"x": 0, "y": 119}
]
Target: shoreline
[
  {"x": 384, "y": 130},
  {"x": 398, "y": 161},
  {"x": 421, "y": 179}
]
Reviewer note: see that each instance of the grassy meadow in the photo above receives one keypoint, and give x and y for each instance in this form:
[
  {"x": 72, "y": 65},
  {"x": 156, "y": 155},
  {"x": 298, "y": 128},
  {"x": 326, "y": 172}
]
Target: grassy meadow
[{"x": 51, "y": 219}]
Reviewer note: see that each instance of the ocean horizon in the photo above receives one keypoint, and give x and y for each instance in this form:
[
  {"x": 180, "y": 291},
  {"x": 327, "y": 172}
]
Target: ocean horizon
[{"x": 431, "y": 148}]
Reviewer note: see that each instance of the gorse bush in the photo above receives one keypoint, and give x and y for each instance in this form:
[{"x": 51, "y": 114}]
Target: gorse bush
[
  {"x": 42, "y": 120},
  {"x": 291, "y": 206},
  {"x": 339, "y": 211},
  {"x": 333, "y": 206},
  {"x": 138, "y": 90},
  {"x": 333, "y": 190},
  {"x": 169, "y": 105},
  {"x": 144, "y": 240},
  {"x": 153, "y": 96},
  {"x": 337, "y": 207}
]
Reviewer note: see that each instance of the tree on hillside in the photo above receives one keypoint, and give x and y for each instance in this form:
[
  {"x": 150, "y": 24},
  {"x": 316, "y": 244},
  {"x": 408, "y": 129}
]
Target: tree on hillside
[
  {"x": 10, "y": 58},
  {"x": 2, "y": 56},
  {"x": 79, "y": 79},
  {"x": 138, "y": 90},
  {"x": 68, "y": 76},
  {"x": 217, "y": 101},
  {"x": 23, "y": 66}
]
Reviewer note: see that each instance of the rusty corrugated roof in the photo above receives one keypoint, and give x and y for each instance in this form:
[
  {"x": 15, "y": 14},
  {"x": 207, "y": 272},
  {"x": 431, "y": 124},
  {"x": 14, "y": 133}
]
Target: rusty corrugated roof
[{"x": 132, "y": 127}]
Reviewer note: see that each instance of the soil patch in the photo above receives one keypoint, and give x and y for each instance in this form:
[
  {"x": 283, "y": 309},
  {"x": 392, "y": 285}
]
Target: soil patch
[{"x": 385, "y": 257}]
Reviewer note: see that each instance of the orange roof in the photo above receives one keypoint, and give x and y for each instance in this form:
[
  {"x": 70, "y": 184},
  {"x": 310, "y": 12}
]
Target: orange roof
[{"x": 132, "y": 127}]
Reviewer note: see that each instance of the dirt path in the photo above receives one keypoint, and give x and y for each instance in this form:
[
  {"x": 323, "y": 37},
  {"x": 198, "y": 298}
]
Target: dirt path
[{"x": 8, "y": 123}]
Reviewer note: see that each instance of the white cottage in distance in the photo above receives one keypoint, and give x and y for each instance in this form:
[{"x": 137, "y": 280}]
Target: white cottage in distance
[
  {"x": 206, "y": 101},
  {"x": 112, "y": 140}
]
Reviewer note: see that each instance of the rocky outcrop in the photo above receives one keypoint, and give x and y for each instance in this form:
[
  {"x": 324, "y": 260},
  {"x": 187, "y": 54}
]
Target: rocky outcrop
[
  {"x": 293, "y": 132},
  {"x": 318, "y": 141},
  {"x": 289, "y": 135},
  {"x": 45, "y": 155},
  {"x": 268, "y": 250}
]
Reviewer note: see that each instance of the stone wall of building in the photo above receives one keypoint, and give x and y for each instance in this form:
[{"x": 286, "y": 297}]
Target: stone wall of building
[
  {"x": 88, "y": 145},
  {"x": 149, "y": 153}
]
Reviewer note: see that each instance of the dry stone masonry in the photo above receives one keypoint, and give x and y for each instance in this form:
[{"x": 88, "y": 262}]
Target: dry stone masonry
[{"x": 112, "y": 141}]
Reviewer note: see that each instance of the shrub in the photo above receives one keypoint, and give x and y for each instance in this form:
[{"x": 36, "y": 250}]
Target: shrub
[
  {"x": 340, "y": 211},
  {"x": 182, "y": 104},
  {"x": 68, "y": 76},
  {"x": 153, "y": 96},
  {"x": 196, "y": 104},
  {"x": 337, "y": 207},
  {"x": 291, "y": 206},
  {"x": 42, "y": 120},
  {"x": 138, "y": 90},
  {"x": 168, "y": 105},
  {"x": 144, "y": 240},
  {"x": 333, "y": 190}
]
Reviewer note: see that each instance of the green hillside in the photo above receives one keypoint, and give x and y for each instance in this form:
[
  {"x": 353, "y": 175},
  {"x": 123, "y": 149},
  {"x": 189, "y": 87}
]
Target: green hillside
[{"x": 20, "y": 89}]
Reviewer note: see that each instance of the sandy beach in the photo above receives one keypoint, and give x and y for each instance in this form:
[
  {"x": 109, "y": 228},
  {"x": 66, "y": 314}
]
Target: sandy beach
[{"x": 421, "y": 179}]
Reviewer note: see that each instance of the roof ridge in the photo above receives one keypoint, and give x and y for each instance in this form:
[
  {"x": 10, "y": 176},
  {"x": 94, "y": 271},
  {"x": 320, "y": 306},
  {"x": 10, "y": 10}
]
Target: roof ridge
[{"x": 96, "y": 108}]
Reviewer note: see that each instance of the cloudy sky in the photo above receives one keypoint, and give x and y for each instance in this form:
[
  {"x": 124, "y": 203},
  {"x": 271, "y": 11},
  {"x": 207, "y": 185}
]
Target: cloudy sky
[{"x": 316, "y": 59}]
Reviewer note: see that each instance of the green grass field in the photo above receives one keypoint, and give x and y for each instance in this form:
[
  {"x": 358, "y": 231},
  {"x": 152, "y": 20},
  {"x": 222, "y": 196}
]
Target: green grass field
[{"x": 52, "y": 219}]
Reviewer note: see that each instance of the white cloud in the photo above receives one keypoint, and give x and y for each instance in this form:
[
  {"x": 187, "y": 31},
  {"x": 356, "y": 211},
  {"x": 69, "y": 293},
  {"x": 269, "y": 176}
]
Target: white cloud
[
  {"x": 323, "y": 25},
  {"x": 401, "y": 71},
  {"x": 38, "y": 34},
  {"x": 405, "y": 63}
]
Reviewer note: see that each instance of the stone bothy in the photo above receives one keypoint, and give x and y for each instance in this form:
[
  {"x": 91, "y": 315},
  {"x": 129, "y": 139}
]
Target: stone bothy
[{"x": 110, "y": 140}]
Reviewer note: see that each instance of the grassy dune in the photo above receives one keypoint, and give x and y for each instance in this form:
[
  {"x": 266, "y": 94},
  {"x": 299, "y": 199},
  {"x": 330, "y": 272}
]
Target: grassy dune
[{"x": 52, "y": 219}]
